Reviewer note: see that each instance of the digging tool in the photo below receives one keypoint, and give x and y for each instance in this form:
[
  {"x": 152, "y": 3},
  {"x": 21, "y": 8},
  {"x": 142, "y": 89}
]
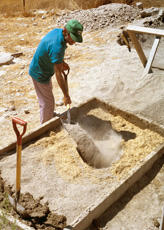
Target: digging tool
[
  {"x": 14, "y": 202},
  {"x": 85, "y": 145},
  {"x": 68, "y": 106},
  {"x": 68, "y": 115}
]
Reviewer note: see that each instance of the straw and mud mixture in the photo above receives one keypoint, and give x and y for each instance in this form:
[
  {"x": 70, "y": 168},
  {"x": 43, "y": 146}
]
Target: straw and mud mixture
[{"x": 57, "y": 184}]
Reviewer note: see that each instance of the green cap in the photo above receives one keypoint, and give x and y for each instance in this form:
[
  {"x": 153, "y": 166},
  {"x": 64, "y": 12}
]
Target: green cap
[{"x": 75, "y": 29}]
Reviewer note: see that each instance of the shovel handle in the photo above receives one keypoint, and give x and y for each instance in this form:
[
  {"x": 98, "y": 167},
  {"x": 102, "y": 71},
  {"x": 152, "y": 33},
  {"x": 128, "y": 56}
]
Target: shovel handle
[{"x": 15, "y": 121}]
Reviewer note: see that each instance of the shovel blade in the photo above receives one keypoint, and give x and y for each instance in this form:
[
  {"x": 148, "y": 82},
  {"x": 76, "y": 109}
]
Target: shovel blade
[
  {"x": 68, "y": 116},
  {"x": 17, "y": 207}
]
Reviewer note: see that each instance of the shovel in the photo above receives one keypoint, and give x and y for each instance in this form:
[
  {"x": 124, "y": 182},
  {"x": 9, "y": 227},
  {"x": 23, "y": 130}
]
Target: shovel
[
  {"x": 14, "y": 202},
  {"x": 68, "y": 106}
]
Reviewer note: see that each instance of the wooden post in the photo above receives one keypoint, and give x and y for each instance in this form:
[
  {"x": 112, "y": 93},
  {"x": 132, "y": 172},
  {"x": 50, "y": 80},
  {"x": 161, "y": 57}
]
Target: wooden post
[
  {"x": 131, "y": 29},
  {"x": 138, "y": 47},
  {"x": 151, "y": 56}
]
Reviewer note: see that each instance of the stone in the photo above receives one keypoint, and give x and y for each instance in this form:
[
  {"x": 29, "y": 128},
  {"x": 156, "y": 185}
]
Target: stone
[
  {"x": 6, "y": 59},
  {"x": 41, "y": 12},
  {"x": 101, "y": 17},
  {"x": 26, "y": 111},
  {"x": 145, "y": 14},
  {"x": 12, "y": 108},
  {"x": 59, "y": 102},
  {"x": 2, "y": 73},
  {"x": 161, "y": 14},
  {"x": 156, "y": 223},
  {"x": 21, "y": 73},
  {"x": 22, "y": 67},
  {"x": 139, "y": 5},
  {"x": 149, "y": 12}
]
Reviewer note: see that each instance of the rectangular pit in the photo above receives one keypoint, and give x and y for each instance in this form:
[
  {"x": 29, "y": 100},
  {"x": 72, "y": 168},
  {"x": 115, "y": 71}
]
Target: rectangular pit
[{"x": 53, "y": 169}]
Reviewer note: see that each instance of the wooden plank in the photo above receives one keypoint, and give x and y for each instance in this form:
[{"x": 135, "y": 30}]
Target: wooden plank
[
  {"x": 151, "y": 56},
  {"x": 145, "y": 30},
  {"x": 45, "y": 127},
  {"x": 138, "y": 48}
]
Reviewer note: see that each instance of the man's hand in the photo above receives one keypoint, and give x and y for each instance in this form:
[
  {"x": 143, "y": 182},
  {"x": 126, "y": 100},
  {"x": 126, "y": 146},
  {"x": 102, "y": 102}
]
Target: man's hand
[
  {"x": 62, "y": 81},
  {"x": 65, "y": 67},
  {"x": 67, "y": 100}
]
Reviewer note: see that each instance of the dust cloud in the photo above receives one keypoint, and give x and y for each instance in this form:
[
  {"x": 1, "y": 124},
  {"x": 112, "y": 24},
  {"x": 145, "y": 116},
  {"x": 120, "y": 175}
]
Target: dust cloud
[
  {"x": 97, "y": 143},
  {"x": 110, "y": 148}
]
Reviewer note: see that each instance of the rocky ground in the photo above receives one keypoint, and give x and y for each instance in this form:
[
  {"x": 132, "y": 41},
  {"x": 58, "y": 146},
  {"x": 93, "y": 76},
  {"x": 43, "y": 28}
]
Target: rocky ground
[
  {"x": 100, "y": 67},
  {"x": 17, "y": 95}
]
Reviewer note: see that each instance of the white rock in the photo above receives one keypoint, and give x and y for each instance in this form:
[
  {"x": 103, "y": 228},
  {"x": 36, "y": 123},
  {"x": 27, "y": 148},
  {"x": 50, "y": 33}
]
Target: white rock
[
  {"x": 161, "y": 13},
  {"x": 21, "y": 73},
  {"x": 2, "y": 72},
  {"x": 2, "y": 109},
  {"x": 12, "y": 108},
  {"x": 41, "y": 12},
  {"x": 26, "y": 111},
  {"x": 139, "y": 5},
  {"x": 5, "y": 58}
]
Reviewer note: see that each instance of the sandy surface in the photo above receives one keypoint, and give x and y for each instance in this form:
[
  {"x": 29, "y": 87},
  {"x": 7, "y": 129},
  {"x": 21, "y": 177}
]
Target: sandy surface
[
  {"x": 99, "y": 68},
  {"x": 53, "y": 165},
  {"x": 140, "y": 207}
]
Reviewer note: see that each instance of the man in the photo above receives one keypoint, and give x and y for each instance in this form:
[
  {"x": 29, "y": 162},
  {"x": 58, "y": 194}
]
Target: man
[{"x": 49, "y": 59}]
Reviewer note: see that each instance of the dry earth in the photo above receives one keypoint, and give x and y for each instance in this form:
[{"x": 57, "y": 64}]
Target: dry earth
[{"x": 100, "y": 67}]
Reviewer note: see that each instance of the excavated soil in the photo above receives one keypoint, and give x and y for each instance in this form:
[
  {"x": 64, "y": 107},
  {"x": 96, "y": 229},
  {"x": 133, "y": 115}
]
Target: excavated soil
[
  {"x": 35, "y": 215},
  {"x": 52, "y": 169}
]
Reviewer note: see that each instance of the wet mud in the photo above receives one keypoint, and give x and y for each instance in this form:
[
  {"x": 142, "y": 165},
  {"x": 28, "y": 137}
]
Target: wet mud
[{"x": 36, "y": 215}]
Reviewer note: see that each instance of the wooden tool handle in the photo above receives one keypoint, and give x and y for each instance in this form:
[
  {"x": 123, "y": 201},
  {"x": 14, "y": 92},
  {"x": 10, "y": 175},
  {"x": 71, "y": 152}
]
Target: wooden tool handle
[{"x": 15, "y": 121}]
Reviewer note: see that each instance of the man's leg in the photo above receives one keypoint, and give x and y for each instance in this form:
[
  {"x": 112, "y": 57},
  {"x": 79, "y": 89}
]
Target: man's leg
[{"x": 46, "y": 100}]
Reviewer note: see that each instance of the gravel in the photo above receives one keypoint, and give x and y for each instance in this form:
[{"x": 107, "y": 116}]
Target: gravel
[{"x": 103, "y": 16}]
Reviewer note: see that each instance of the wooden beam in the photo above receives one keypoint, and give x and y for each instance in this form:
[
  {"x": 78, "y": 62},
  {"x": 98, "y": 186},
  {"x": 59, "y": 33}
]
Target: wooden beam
[
  {"x": 138, "y": 47},
  {"x": 145, "y": 30},
  {"x": 151, "y": 56}
]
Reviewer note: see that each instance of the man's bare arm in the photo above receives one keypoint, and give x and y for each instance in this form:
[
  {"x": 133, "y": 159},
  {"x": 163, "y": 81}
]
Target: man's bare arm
[{"x": 62, "y": 83}]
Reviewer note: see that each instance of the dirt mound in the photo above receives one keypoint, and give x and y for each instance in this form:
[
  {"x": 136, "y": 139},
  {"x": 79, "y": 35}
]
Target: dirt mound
[
  {"x": 37, "y": 216},
  {"x": 112, "y": 15},
  {"x": 103, "y": 16}
]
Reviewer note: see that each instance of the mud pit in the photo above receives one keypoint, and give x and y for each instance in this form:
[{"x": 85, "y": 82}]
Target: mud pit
[{"x": 54, "y": 172}]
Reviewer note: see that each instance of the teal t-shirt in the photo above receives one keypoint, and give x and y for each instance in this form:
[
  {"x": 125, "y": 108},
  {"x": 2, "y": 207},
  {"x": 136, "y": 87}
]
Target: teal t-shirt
[{"x": 51, "y": 50}]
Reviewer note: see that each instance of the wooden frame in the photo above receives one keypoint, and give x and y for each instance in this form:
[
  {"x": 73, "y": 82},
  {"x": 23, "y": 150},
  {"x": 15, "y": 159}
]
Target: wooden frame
[{"x": 132, "y": 30}]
